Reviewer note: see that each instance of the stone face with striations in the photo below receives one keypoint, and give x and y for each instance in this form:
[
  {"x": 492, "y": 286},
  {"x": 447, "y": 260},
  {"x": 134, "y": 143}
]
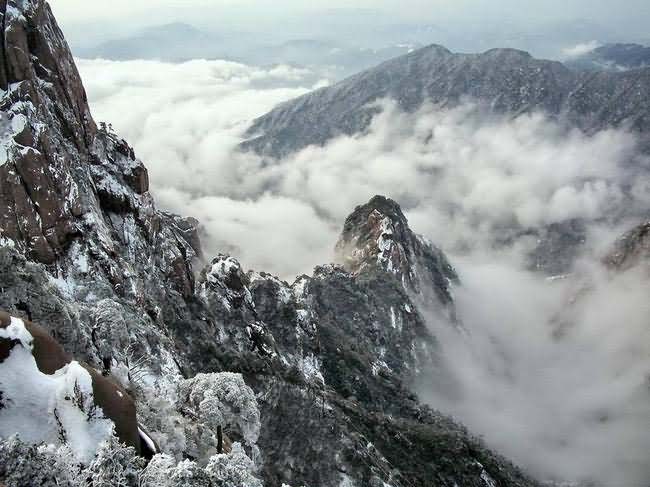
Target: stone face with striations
[{"x": 47, "y": 131}]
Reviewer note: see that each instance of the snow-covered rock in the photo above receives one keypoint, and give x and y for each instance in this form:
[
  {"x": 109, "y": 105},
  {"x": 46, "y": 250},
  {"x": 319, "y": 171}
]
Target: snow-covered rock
[
  {"x": 377, "y": 235},
  {"x": 46, "y": 397}
]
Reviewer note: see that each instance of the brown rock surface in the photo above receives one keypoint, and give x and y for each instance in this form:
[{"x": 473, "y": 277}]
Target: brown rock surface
[
  {"x": 38, "y": 197},
  {"x": 50, "y": 356}
]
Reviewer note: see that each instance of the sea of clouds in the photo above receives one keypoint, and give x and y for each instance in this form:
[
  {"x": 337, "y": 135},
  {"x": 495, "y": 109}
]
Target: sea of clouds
[
  {"x": 460, "y": 176},
  {"x": 554, "y": 374}
]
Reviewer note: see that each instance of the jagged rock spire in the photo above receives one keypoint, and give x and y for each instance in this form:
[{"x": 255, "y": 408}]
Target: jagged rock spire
[{"x": 377, "y": 236}]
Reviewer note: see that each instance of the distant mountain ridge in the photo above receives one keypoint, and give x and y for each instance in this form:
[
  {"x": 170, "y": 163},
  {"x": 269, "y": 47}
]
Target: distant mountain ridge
[
  {"x": 504, "y": 80},
  {"x": 615, "y": 57},
  {"x": 178, "y": 42},
  {"x": 171, "y": 42}
]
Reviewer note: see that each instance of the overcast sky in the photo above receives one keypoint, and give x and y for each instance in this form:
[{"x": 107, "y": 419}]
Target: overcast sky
[
  {"x": 629, "y": 17},
  {"x": 430, "y": 10}
]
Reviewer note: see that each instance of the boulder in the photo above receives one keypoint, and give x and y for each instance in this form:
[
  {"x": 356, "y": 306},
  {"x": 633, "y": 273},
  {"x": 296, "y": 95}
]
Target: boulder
[{"x": 51, "y": 359}]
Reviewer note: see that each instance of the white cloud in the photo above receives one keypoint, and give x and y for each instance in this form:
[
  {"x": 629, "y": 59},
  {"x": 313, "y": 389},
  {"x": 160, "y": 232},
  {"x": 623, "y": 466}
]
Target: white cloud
[
  {"x": 184, "y": 120},
  {"x": 261, "y": 229},
  {"x": 556, "y": 386},
  {"x": 579, "y": 49},
  {"x": 459, "y": 174}
]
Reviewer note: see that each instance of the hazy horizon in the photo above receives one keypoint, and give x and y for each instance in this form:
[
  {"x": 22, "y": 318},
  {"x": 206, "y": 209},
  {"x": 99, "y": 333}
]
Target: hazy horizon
[{"x": 544, "y": 28}]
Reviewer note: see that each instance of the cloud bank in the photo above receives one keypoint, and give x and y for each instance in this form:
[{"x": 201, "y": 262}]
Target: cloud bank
[
  {"x": 465, "y": 179},
  {"x": 184, "y": 121},
  {"x": 564, "y": 401},
  {"x": 553, "y": 374},
  {"x": 579, "y": 50}
]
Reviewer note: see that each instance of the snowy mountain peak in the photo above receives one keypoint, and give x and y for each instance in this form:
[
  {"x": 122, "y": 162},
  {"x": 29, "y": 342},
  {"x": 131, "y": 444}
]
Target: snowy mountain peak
[
  {"x": 377, "y": 236},
  {"x": 501, "y": 81},
  {"x": 613, "y": 57}
]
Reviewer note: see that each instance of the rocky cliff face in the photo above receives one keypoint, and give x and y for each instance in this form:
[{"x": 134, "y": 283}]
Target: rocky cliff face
[
  {"x": 502, "y": 80},
  {"x": 43, "y": 101},
  {"x": 326, "y": 361}
]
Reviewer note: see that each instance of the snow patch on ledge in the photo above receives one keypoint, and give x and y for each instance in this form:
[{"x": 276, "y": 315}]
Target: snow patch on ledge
[
  {"x": 17, "y": 331},
  {"x": 310, "y": 368},
  {"x": 18, "y": 7},
  {"x": 385, "y": 244},
  {"x": 6, "y": 241},
  {"x": 221, "y": 269},
  {"x": 486, "y": 477},
  {"x": 53, "y": 409}
]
